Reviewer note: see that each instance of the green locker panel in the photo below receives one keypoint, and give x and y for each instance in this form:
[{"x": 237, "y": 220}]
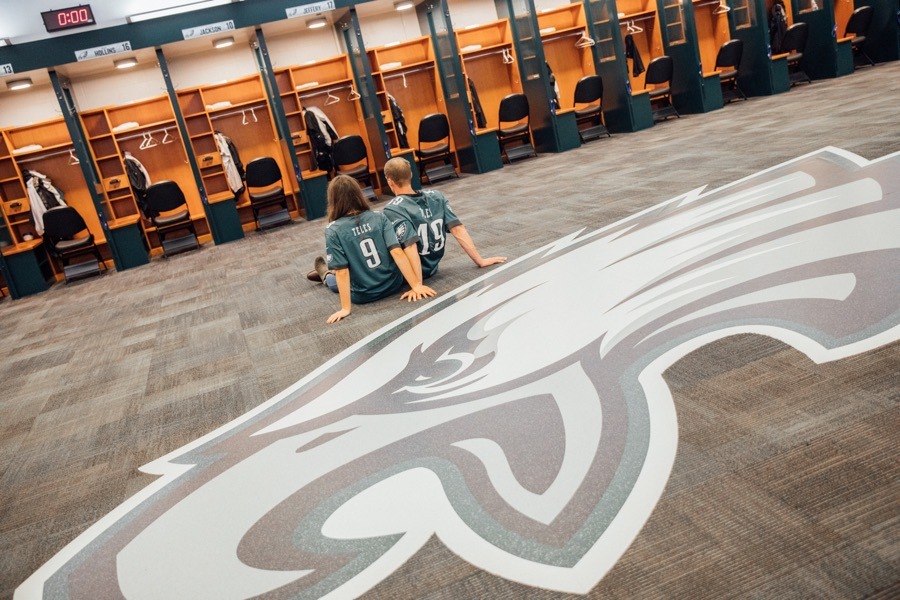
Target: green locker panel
[
  {"x": 29, "y": 272},
  {"x": 224, "y": 220},
  {"x": 314, "y": 193},
  {"x": 130, "y": 245}
]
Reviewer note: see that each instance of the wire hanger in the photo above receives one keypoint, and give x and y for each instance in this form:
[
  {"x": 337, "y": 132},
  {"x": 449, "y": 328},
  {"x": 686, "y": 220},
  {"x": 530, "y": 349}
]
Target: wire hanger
[
  {"x": 149, "y": 141},
  {"x": 507, "y": 56},
  {"x": 331, "y": 99},
  {"x": 722, "y": 8},
  {"x": 404, "y": 79},
  {"x": 632, "y": 28},
  {"x": 73, "y": 160},
  {"x": 584, "y": 41},
  {"x": 168, "y": 139},
  {"x": 354, "y": 95}
]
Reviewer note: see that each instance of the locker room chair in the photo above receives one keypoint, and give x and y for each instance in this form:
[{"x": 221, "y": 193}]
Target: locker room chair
[
  {"x": 434, "y": 133},
  {"x": 169, "y": 214},
  {"x": 513, "y": 111},
  {"x": 265, "y": 189},
  {"x": 728, "y": 63},
  {"x": 351, "y": 158},
  {"x": 858, "y": 27},
  {"x": 794, "y": 44},
  {"x": 67, "y": 236},
  {"x": 659, "y": 73},
  {"x": 589, "y": 92}
]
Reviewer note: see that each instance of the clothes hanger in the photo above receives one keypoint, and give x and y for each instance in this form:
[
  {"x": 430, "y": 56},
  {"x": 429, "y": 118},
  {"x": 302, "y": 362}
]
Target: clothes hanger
[
  {"x": 354, "y": 95},
  {"x": 167, "y": 138},
  {"x": 584, "y": 41},
  {"x": 148, "y": 142},
  {"x": 507, "y": 56},
  {"x": 331, "y": 99},
  {"x": 632, "y": 28},
  {"x": 722, "y": 8},
  {"x": 244, "y": 120},
  {"x": 73, "y": 160},
  {"x": 404, "y": 80}
]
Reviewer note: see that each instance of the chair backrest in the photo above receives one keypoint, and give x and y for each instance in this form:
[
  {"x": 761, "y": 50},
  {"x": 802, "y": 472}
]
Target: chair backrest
[
  {"x": 349, "y": 149},
  {"x": 659, "y": 71},
  {"x": 795, "y": 38},
  {"x": 262, "y": 172},
  {"x": 589, "y": 89},
  {"x": 163, "y": 196},
  {"x": 859, "y": 22},
  {"x": 513, "y": 107},
  {"x": 730, "y": 54},
  {"x": 434, "y": 128},
  {"x": 62, "y": 223}
]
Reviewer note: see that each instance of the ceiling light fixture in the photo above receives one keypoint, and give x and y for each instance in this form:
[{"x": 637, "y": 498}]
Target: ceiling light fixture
[
  {"x": 19, "y": 84},
  {"x": 223, "y": 42},
  {"x": 316, "y": 23},
  {"x": 404, "y": 5},
  {"x": 125, "y": 63},
  {"x": 165, "y": 12}
]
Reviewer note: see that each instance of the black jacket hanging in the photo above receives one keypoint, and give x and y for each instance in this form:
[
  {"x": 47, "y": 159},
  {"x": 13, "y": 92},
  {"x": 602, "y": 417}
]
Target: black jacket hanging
[
  {"x": 139, "y": 183},
  {"x": 777, "y": 26},
  {"x": 322, "y": 150},
  {"x": 480, "y": 121},
  {"x": 399, "y": 122},
  {"x": 554, "y": 88},
  {"x": 631, "y": 51}
]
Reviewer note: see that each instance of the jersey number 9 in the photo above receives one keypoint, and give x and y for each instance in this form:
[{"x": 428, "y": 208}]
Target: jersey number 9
[{"x": 367, "y": 246}]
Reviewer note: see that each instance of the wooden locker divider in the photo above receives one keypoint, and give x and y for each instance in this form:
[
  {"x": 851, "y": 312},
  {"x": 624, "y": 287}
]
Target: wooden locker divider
[
  {"x": 407, "y": 71},
  {"x": 114, "y": 130},
  {"x": 56, "y": 159},
  {"x": 641, "y": 14},
  {"x": 713, "y": 30},
  {"x": 327, "y": 84},
  {"x": 238, "y": 109},
  {"x": 483, "y": 48},
  {"x": 560, "y": 30}
]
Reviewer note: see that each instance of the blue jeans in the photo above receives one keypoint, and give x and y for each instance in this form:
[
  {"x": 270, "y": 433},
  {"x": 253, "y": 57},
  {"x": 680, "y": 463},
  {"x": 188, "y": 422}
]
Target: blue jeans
[{"x": 331, "y": 282}]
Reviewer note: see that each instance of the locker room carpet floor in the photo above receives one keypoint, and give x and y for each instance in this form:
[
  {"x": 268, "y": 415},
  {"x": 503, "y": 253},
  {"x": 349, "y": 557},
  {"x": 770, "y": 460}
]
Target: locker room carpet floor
[{"x": 784, "y": 484}]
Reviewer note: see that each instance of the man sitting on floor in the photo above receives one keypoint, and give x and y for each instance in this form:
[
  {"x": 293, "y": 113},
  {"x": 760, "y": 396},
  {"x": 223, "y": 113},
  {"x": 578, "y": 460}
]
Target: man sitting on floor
[{"x": 422, "y": 221}]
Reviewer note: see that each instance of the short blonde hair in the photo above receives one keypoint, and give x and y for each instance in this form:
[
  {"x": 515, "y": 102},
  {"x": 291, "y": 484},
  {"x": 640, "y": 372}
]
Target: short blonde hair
[{"x": 398, "y": 170}]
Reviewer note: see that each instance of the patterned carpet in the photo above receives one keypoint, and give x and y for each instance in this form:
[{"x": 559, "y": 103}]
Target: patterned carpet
[{"x": 785, "y": 481}]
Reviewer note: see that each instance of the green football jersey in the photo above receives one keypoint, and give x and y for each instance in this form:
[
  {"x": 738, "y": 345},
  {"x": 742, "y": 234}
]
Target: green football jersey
[
  {"x": 425, "y": 219},
  {"x": 363, "y": 243}
]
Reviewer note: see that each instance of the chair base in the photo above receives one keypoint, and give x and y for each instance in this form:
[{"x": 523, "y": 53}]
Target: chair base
[
  {"x": 440, "y": 173},
  {"x": 520, "y": 152},
  {"x": 664, "y": 112},
  {"x": 732, "y": 94},
  {"x": 861, "y": 59},
  {"x": 82, "y": 270},
  {"x": 799, "y": 77},
  {"x": 369, "y": 193},
  {"x": 273, "y": 219},
  {"x": 589, "y": 134},
  {"x": 180, "y": 244}
]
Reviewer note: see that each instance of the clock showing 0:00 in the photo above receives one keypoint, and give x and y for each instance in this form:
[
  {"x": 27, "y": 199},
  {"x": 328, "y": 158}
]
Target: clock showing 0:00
[{"x": 68, "y": 18}]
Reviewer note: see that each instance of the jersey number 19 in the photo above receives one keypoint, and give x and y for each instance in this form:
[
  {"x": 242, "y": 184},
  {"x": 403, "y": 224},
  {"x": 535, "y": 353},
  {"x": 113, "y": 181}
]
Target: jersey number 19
[{"x": 437, "y": 228}]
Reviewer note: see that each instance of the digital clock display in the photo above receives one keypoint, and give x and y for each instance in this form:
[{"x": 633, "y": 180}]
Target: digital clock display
[{"x": 68, "y": 18}]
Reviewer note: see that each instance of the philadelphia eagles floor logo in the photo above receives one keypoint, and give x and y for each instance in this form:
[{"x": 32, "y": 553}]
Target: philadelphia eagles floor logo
[{"x": 522, "y": 419}]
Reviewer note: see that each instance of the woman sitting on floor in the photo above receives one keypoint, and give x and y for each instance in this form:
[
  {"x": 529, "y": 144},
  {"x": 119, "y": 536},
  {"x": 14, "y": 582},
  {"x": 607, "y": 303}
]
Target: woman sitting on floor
[{"x": 364, "y": 259}]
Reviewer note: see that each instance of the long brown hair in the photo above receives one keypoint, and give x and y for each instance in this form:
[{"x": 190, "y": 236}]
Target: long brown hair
[{"x": 345, "y": 198}]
